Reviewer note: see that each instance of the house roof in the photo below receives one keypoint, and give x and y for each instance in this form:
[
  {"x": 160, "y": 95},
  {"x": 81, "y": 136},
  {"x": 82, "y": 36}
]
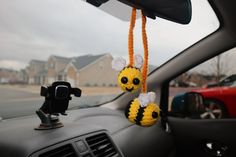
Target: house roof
[
  {"x": 63, "y": 62},
  {"x": 7, "y": 70},
  {"x": 61, "y": 59},
  {"x": 37, "y": 61},
  {"x": 82, "y": 61}
]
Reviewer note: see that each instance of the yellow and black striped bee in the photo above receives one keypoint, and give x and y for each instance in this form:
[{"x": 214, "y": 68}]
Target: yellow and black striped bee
[
  {"x": 144, "y": 116},
  {"x": 130, "y": 78}
]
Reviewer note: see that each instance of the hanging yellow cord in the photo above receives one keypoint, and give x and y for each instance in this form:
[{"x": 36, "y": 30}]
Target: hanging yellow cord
[
  {"x": 145, "y": 47},
  {"x": 130, "y": 39}
]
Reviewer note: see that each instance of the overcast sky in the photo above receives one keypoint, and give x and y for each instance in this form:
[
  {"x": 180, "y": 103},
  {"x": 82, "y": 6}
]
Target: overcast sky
[
  {"x": 226, "y": 62},
  {"x": 36, "y": 29}
]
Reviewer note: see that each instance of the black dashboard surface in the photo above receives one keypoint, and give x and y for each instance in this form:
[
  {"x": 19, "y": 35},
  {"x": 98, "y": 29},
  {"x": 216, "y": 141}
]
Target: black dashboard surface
[{"x": 18, "y": 137}]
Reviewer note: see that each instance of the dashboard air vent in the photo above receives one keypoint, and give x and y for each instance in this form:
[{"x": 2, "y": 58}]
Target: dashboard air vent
[
  {"x": 63, "y": 151},
  {"x": 101, "y": 145}
]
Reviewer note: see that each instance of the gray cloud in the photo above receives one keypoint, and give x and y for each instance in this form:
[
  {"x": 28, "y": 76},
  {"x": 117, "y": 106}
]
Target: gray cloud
[{"x": 31, "y": 29}]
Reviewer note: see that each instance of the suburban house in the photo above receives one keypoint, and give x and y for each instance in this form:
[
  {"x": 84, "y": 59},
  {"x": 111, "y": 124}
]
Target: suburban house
[
  {"x": 87, "y": 70},
  {"x": 55, "y": 68},
  {"x": 91, "y": 70},
  {"x": 9, "y": 76},
  {"x": 193, "y": 79},
  {"x": 36, "y": 72}
]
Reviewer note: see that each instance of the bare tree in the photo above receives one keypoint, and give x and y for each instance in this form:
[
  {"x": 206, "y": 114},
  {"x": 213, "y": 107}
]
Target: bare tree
[
  {"x": 220, "y": 66},
  {"x": 216, "y": 68}
]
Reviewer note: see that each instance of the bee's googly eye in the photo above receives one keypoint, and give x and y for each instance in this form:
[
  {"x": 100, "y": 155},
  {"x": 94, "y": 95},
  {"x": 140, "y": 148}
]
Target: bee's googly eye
[
  {"x": 136, "y": 81},
  {"x": 124, "y": 80},
  {"x": 154, "y": 114}
]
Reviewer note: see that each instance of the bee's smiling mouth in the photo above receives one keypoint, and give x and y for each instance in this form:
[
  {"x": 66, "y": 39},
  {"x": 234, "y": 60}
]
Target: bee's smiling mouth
[{"x": 129, "y": 89}]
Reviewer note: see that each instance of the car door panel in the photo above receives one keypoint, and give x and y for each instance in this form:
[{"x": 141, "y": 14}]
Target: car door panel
[
  {"x": 191, "y": 136},
  {"x": 145, "y": 142}
]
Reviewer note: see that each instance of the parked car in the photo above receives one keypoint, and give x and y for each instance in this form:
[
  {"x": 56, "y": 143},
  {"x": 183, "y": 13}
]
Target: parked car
[
  {"x": 219, "y": 102},
  {"x": 228, "y": 81}
]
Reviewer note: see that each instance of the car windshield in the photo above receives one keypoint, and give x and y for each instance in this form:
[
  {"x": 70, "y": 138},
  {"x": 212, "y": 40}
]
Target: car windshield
[
  {"x": 233, "y": 83},
  {"x": 46, "y": 41},
  {"x": 228, "y": 81}
]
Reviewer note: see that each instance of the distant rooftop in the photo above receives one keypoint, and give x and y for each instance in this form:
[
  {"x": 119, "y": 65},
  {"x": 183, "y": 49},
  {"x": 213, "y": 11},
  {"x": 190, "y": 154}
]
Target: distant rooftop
[
  {"x": 61, "y": 59},
  {"x": 82, "y": 61},
  {"x": 37, "y": 61},
  {"x": 7, "y": 69}
]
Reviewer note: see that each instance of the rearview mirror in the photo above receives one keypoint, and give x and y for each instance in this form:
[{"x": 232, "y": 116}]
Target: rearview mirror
[
  {"x": 187, "y": 105},
  {"x": 179, "y": 11}
]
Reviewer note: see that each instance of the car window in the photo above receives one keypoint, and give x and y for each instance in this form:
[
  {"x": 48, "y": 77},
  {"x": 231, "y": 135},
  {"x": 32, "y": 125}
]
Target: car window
[
  {"x": 70, "y": 40},
  {"x": 207, "y": 91}
]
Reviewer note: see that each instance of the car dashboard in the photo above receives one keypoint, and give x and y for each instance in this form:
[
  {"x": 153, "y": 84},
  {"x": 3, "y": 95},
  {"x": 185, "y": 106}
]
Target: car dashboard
[{"x": 86, "y": 133}]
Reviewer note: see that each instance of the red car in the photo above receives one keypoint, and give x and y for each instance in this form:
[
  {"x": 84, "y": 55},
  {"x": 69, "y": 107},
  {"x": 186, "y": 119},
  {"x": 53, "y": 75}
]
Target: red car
[{"x": 220, "y": 102}]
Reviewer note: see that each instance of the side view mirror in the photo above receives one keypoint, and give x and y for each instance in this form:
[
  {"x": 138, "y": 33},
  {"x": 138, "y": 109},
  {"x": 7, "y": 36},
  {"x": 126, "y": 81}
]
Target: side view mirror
[{"x": 187, "y": 105}]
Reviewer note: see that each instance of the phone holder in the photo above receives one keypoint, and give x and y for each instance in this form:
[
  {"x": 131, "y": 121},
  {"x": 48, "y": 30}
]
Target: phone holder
[{"x": 57, "y": 97}]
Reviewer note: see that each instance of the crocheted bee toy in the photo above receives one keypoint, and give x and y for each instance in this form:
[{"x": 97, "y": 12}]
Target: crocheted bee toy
[
  {"x": 142, "y": 110},
  {"x": 130, "y": 77}
]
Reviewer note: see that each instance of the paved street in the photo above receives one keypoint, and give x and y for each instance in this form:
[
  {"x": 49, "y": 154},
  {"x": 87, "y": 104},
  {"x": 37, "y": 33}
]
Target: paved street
[
  {"x": 16, "y": 102},
  {"x": 19, "y": 100}
]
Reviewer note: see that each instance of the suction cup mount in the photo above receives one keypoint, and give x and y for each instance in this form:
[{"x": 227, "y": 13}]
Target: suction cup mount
[
  {"x": 48, "y": 121},
  {"x": 57, "y": 97}
]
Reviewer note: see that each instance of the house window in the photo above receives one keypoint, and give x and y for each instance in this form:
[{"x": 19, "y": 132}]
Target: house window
[{"x": 51, "y": 65}]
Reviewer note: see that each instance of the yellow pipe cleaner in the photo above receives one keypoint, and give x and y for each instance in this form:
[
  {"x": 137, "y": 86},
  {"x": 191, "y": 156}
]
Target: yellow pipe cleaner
[
  {"x": 142, "y": 110},
  {"x": 145, "y": 46},
  {"x": 131, "y": 37}
]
